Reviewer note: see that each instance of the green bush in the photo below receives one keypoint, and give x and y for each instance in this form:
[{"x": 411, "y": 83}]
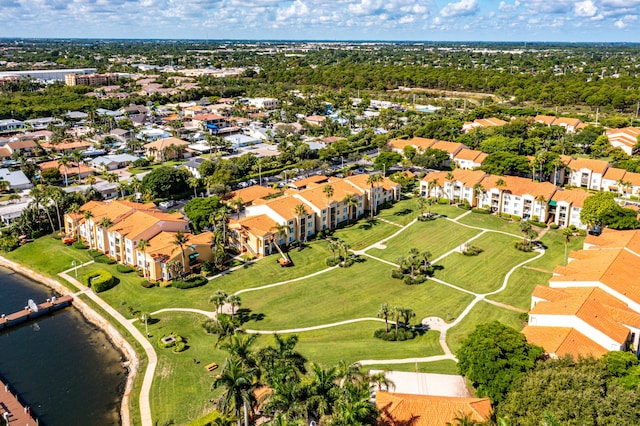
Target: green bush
[
  {"x": 554, "y": 226},
  {"x": 104, "y": 259},
  {"x": 147, "y": 284},
  {"x": 330, "y": 261},
  {"x": 480, "y": 210},
  {"x": 94, "y": 253},
  {"x": 141, "y": 162},
  {"x": 79, "y": 245},
  {"x": 582, "y": 232},
  {"x": 124, "y": 269},
  {"x": 100, "y": 280},
  {"x": 443, "y": 201},
  {"x": 465, "y": 205},
  {"x": 472, "y": 250},
  {"x": 347, "y": 263},
  {"x": 403, "y": 334},
  {"x": 190, "y": 282},
  {"x": 398, "y": 275},
  {"x": 523, "y": 247},
  {"x": 538, "y": 224},
  {"x": 179, "y": 347}
]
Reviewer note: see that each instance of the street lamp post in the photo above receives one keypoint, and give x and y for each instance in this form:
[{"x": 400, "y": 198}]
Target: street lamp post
[{"x": 75, "y": 268}]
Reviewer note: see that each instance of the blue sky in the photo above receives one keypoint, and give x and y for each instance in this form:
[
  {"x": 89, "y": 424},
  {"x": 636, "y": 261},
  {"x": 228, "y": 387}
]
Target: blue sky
[{"x": 454, "y": 20}]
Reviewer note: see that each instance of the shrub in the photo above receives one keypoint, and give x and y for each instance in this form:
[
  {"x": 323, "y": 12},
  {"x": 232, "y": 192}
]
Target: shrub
[
  {"x": 523, "y": 247},
  {"x": 472, "y": 250},
  {"x": 207, "y": 268},
  {"x": 176, "y": 339},
  {"x": 538, "y": 224},
  {"x": 124, "y": 269},
  {"x": 79, "y": 245},
  {"x": 147, "y": 284},
  {"x": 347, "y": 262},
  {"x": 465, "y": 205},
  {"x": 554, "y": 226},
  {"x": 480, "y": 210},
  {"x": 141, "y": 162},
  {"x": 582, "y": 232},
  {"x": 330, "y": 261},
  {"x": 179, "y": 347},
  {"x": 94, "y": 253},
  {"x": 100, "y": 280},
  {"x": 396, "y": 274},
  {"x": 443, "y": 201},
  {"x": 104, "y": 259},
  {"x": 572, "y": 227},
  {"x": 403, "y": 334},
  {"x": 190, "y": 282},
  {"x": 408, "y": 280}
]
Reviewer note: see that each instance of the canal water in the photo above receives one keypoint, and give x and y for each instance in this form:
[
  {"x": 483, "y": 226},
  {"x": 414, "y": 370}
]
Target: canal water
[{"x": 62, "y": 366}]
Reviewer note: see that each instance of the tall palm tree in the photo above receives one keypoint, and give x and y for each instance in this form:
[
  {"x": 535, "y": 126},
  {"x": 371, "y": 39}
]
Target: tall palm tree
[
  {"x": 235, "y": 301},
  {"x": 352, "y": 204},
  {"x": 64, "y": 162},
  {"x": 450, "y": 178},
  {"x": 88, "y": 214},
  {"x": 501, "y": 185},
  {"x": 194, "y": 183},
  {"x": 181, "y": 240},
  {"x": 237, "y": 204},
  {"x": 75, "y": 209},
  {"x": 421, "y": 203},
  {"x": 300, "y": 210},
  {"x": 239, "y": 385},
  {"x": 142, "y": 246},
  {"x": 57, "y": 196},
  {"x": 566, "y": 235},
  {"x": 478, "y": 190},
  {"x": 384, "y": 312},
  {"x": 431, "y": 186},
  {"x": 40, "y": 201},
  {"x": 218, "y": 299},
  {"x": 372, "y": 180},
  {"x": 122, "y": 187},
  {"x": 322, "y": 391},
  {"x": 77, "y": 157},
  {"x": 279, "y": 231},
  {"x": 328, "y": 192}
]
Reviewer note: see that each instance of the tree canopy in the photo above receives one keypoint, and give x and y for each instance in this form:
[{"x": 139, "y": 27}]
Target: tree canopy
[
  {"x": 165, "y": 182},
  {"x": 199, "y": 211}
]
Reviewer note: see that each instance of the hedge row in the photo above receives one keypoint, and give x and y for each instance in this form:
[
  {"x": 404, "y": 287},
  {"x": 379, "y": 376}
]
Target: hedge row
[
  {"x": 190, "y": 282},
  {"x": 100, "y": 280}
]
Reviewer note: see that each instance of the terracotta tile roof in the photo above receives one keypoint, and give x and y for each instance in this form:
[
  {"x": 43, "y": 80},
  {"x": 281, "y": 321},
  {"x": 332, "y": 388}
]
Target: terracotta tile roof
[
  {"x": 546, "y": 119},
  {"x": 308, "y": 181},
  {"x": 315, "y": 196},
  {"x": 66, "y": 145},
  {"x": 416, "y": 142},
  {"x": 614, "y": 174},
  {"x": 426, "y": 410},
  {"x": 22, "y": 144},
  {"x": 610, "y": 238},
  {"x": 632, "y": 178},
  {"x": 252, "y": 193},
  {"x": 114, "y": 210},
  {"x": 71, "y": 169},
  {"x": 161, "y": 247},
  {"x": 163, "y": 143},
  {"x": 597, "y": 166},
  {"x": 331, "y": 139},
  {"x": 5, "y": 152},
  {"x": 562, "y": 341},
  {"x": 471, "y": 155},
  {"x": 626, "y": 136},
  {"x": 140, "y": 221},
  {"x": 593, "y": 306},
  {"x": 285, "y": 206},
  {"x": 490, "y": 122},
  {"x": 575, "y": 197},
  {"x": 521, "y": 186},
  {"x": 260, "y": 226},
  {"x": 450, "y": 147},
  {"x": 360, "y": 182},
  {"x": 208, "y": 117},
  {"x": 564, "y": 121}
]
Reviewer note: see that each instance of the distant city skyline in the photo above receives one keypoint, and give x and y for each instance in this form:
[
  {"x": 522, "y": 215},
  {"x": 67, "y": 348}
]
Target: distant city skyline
[{"x": 433, "y": 20}]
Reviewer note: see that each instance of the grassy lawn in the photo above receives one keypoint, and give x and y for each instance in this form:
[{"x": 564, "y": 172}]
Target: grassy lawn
[
  {"x": 181, "y": 387},
  {"x": 520, "y": 286},
  {"x": 355, "y": 342},
  {"x": 172, "y": 163},
  {"x": 481, "y": 313},
  {"x": 365, "y": 232},
  {"x": 438, "y": 236},
  {"x": 491, "y": 222},
  {"x": 554, "y": 243},
  {"x": 447, "y": 210},
  {"x": 348, "y": 293},
  {"x": 402, "y": 212},
  {"x": 440, "y": 367},
  {"x": 485, "y": 272},
  {"x": 47, "y": 256}
]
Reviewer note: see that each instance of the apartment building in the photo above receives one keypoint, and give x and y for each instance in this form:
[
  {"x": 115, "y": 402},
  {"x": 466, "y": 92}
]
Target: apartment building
[
  {"x": 625, "y": 138},
  {"x": 90, "y": 79}
]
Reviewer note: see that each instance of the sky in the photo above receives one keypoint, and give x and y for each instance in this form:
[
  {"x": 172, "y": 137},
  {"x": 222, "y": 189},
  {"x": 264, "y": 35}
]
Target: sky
[{"x": 428, "y": 20}]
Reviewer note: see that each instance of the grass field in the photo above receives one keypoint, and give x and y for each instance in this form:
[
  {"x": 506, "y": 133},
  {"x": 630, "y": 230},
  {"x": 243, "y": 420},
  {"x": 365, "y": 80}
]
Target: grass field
[
  {"x": 438, "y": 236},
  {"x": 485, "y": 272},
  {"x": 354, "y": 342},
  {"x": 491, "y": 222},
  {"x": 365, "y": 232},
  {"x": 520, "y": 286},
  {"x": 481, "y": 313},
  {"x": 402, "y": 212},
  {"x": 348, "y": 293},
  {"x": 442, "y": 367}
]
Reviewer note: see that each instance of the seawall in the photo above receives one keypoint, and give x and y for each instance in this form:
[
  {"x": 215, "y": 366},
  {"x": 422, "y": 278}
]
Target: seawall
[{"x": 94, "y": 318}]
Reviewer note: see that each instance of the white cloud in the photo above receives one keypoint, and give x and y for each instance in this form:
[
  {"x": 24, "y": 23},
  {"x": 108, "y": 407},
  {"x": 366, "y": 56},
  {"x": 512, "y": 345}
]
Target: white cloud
[
  {"x": 586, "y": 8},
  {"x": 463, "y": 7},
  {"x": 619, "y": 24}
]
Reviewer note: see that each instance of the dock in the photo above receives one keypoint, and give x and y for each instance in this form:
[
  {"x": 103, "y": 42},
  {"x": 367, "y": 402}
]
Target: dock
[
  {"x": 12, "y": 410},
  {"x": 51, "y": 305}
]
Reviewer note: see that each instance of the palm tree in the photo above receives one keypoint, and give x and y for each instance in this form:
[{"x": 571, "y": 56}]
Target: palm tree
[
  {"x": 88, "y": 214},
  {"x": 501, "y": 185},
  {"x": 142, "y": 246},
  {"x": 478, "y": 190},
  {"x": 372, "y": 180},
  {"x": 396, "y": 312},
  {"x": 122, "y": 188},
  {"x": 57, "y": 196},
  {"x": 75, "y": 209},
  {"x": 384, "y": 312},
  {"x": 194, "y": 183},
  {"x": 450, "y": 178},
  {"x": 425, "y": 256},
  {"x": 352, "y": 204},
  {"x": 566, "y": 235},
  {"x": 525, "y": 227},
  {"x": 333, "y": 247},
  {"x": 91, "y": 180},
  {"x": 181, "y": 241},
  {"x": 218, "y": 299},
  {"x": 328, "y": 192},
  {"x": 64, "y": 162},
  {"x": 239, "y": 385},
  {"x": 432, "y": 185},
  {"x": 300, "y": 210},
  {"x": 237, "y": 204},
  {"x": 77, "y": 157},
  {"x": 344, "y": 246},
  {"x": 421, "y": 202},
  {"x": 322, "y": 391},
  {"x": 39, "y": 194},
  {"x": 279, "y": 232},
  {"x": 235, "y": 301}
]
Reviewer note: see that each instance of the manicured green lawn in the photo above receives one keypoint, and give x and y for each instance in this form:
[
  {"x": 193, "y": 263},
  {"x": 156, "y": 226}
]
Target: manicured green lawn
[
  {"x": 481, "y": 313},
  {"x": 47, "y": 256},
  {"x": 485, "y": 272},
  {"x": 402, "y": 212},
  {"x": 181, "y": 387},
  {"x": 490, "y": 221},
  {"x": 554, "y": 243},
  {"x": 520, "y": 286},
  {"x": 348, "y": 293},
  {"x": 365, "y": 232},
  {"x": 447, "y": 210},
  {"x": 438, "y": 236},
  {"x": 355, "y": 342},
  {"x": 441, "y": 367}
]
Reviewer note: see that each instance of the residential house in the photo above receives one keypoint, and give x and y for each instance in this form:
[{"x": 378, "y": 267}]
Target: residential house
[
  {"x": 16, "y": 179},
  {"x": 112, "y": 162},
  {"x": 72, "y": 171},
  {"x": 11, "y": 212},
  {"x": 420, "y": 144},
  {"x": 11, "y": 125},
  {"x": 315, "y": 120},
  {"x": 469, "y": 158},
  {"x": 482, "y": 122},
  {"x": 67, "y": 146},
  {"x": 193, "y": 166},
  {"x": 586, "y": 173},
  {"x": 166, "y": 149},
  {"x": 625, "y": 138},
  {"x": 565, "y": 207},
  {"x": 253, "y": 234},
  {"x": 571, "y": 125},
  {"x": 428, "y": 410},
  {"x": 305, "y": 182},
  {"x": 465, "y": 185},
  {"x": 251, "y": 193},
  {"x": 25, "y": 147},
  {"x": 263, "y": 103}
]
